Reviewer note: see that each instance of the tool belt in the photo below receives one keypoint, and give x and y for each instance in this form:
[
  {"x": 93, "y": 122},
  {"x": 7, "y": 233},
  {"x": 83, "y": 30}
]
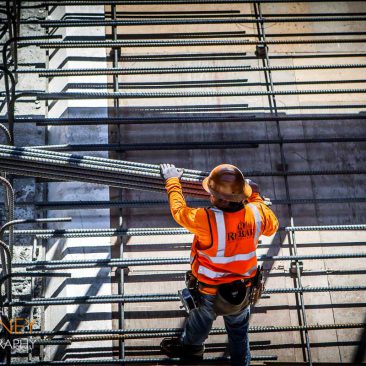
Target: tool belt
[{"x": 233, "y": 297}]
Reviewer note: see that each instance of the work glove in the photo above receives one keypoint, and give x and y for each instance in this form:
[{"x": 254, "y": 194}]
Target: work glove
[
  {"x": 255, "y": 189},
  {"x": 254, "y": 186},
  {"x": 168, "y": 171}
]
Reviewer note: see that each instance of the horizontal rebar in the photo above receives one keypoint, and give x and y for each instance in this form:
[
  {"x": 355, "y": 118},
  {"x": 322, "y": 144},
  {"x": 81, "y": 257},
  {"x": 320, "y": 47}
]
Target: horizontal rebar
[
  {"x": 115, "y": 299},
  {"x": 122, "y": 174},
  {"x": 199, "y": 19},
  {"x": 204, "y": 83},
  {"x": 121, "y": 262},
  {"x": 171, "y": 2},
  {"x": 73, "y": 205},
  {"x": 195, "y": 144},
  {"x": 79, "y": 233},
  {"x": 214, "y": 330},
  {"x": 226, "y": 56},
  {"x": 145, "y": 95},
  {"x": 146, "y": 361},
  {"x": 179, "y": 70},
  {"x": 165, "y": 118},
  {"x": 64, "y": 177}
]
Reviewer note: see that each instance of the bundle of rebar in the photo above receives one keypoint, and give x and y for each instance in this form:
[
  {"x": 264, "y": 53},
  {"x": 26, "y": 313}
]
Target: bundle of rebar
[{"x": 115, "y": 173}]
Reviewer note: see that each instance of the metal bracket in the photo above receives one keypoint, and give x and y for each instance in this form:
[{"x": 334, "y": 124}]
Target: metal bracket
[
  {"x": 261, "y": 50},
  {"x": 292, "y": 268}
]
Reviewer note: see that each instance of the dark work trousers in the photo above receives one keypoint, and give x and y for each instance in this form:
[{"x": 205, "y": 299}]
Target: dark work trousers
[{"x": 199, "y": 324}]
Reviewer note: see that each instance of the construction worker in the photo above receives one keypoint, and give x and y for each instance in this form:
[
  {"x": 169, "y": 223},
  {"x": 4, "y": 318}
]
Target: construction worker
[{"x": 223, "y": 258}]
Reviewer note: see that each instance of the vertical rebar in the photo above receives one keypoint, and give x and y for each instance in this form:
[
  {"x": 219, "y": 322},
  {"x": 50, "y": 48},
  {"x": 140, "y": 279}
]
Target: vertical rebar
[
  {"x": 120, "y": 271},
  {"x": 273, "y": 110}
]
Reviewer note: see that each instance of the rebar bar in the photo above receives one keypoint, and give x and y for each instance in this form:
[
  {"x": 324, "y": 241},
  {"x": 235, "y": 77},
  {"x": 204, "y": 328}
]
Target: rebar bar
[
  {"x": 172, "y": 2},
  {"x": 77, "y": 205},
  {"x": 238, "y": 19},
  {"x": 77, "y": 233},
  {"x": 180, "y": 70},
  {"x": 215, "y": 330},
  {"x": 121, "y": 262},
  {"x": 115, "y": 299},
  {"x": 165, "y": 118},
  {"x": 146, "y": 361},
  {"x": 252, "y": 143}
]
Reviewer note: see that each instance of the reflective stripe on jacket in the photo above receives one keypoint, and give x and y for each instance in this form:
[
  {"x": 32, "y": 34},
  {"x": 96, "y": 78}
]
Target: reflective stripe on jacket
[
  {"x": 232, "y": 255},
  {"x": 202, "y": 223}
]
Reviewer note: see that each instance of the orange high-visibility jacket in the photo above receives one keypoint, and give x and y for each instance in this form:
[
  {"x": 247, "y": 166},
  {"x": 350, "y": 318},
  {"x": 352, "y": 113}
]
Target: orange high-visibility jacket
[{"x": 224, "y": 246}]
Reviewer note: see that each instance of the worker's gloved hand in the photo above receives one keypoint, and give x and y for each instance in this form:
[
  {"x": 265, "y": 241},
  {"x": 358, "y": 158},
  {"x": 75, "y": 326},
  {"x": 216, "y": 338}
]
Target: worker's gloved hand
[
  {"x": 253, "y": 185},
  {"x": 255, "y": 189},
  {"x": 170, "y": 171},
  {"x": 267, "y": 201}
]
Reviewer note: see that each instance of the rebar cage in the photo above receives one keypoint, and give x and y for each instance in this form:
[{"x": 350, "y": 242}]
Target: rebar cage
[{"x": 275, "y": 87}]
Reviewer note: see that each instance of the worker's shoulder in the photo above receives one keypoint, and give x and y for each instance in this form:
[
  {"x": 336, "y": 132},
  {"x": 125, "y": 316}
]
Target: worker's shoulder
[{"x": 202, "y": 215}]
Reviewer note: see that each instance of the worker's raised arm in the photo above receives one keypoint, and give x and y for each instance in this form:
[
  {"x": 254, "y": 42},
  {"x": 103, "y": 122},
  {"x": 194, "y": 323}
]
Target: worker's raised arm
[
  {"x": 269, "y": 219},
  {"x": 182, "y": 214}
]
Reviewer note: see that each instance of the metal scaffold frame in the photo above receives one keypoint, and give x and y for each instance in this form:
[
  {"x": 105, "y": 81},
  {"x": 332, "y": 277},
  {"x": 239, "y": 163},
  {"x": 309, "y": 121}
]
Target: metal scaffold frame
[{"x": 54, "y": 163}]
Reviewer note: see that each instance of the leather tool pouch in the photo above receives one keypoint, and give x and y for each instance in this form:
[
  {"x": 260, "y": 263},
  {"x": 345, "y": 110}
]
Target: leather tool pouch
[
  {"x": 257, "y": 286},
  {"x": 232, "y": 297},
  {"x": 191, "y": 281}
]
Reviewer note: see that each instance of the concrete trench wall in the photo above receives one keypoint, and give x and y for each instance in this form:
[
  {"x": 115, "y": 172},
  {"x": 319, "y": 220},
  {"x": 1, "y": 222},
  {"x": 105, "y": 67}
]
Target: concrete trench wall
[{"x": 89, "y": 281}]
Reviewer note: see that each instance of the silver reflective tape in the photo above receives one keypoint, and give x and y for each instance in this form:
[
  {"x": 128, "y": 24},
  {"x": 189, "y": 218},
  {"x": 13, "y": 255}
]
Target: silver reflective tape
[
  {"x": 258, "y": 222},
  {"x": 234, "y": 258},
  {"x": 221, "y": 232},
  {"x": 213, "y": 274},
  {"x": 248, "y": 273}
]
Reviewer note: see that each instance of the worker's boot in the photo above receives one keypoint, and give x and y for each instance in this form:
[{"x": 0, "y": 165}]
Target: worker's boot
[{"x": 174, "y": 348}]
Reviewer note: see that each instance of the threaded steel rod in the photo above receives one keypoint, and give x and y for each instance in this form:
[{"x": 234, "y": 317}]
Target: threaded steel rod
[
  {"x": 159, "y": 119},
  {"x": 214, "y": 330},
  {"x": 78, "y": 233},
  {"x": 77, "y": 205},
  {"x": 120, "y": 262},
  {"x": 146, "y": 361},
  {"x": 146, "y": 95},
  {"x": 179, "y": 70},
  {"x": 194, "y": 144},
  {"x": 129, "y": 21},
  {"x": 109, "y": 299}
]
